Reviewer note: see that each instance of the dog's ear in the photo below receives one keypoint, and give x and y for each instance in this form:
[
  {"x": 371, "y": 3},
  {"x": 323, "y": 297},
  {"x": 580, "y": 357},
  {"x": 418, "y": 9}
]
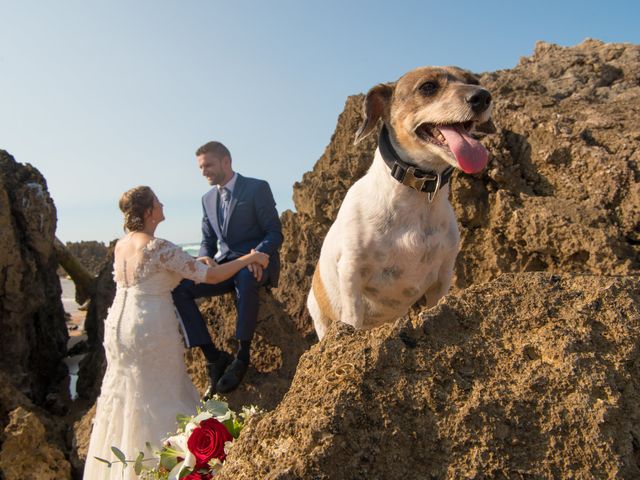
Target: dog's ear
[{"x": 376, "y": 105}]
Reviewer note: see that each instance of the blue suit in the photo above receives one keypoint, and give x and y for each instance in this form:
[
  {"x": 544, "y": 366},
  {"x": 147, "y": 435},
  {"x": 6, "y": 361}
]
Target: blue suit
[{"x": 251, "y": 222}]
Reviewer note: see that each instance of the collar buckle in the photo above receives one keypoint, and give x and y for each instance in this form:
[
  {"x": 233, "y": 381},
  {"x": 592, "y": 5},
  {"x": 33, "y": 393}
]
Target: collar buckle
[
  {"x": 421, "y": 182},
  {"x": 428, "y": 182}
]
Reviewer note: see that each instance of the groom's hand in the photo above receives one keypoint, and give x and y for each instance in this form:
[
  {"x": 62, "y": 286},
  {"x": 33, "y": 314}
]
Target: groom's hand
[{"x": 256, "y": 269}]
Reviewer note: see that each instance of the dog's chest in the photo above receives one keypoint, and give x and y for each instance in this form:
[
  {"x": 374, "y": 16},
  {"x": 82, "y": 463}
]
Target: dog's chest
[{"x": 409, "y": 253}]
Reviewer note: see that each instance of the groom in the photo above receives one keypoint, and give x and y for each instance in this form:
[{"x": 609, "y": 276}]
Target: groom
[{"x": 239, "y": 215}]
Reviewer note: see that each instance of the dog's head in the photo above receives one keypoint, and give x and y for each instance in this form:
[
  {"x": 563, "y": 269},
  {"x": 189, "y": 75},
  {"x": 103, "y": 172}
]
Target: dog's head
[{"x": 430, "y": 112}]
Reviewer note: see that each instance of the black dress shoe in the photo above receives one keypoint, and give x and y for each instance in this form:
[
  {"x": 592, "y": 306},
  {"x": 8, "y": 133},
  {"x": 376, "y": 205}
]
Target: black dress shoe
[
  {"x": 232, "y": 377},
  {"x": 215, "y": 370}
]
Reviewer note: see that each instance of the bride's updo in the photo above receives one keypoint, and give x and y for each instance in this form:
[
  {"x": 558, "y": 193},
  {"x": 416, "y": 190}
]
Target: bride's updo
[{"x": 134, "y": 203}]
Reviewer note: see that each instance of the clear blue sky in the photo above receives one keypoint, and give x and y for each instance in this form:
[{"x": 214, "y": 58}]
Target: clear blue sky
[{"x": 104, "y": 95}]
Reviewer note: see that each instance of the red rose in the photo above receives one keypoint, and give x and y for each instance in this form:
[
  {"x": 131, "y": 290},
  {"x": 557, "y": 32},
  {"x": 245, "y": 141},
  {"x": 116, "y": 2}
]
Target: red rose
[
  {"x": 197, "y": 476},
  {"x": 207, "y": 442},
  {"x": 192, "y": 476}
]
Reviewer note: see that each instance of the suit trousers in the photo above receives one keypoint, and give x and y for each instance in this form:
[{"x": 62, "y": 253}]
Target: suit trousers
[{"x": 247, "y": 299}]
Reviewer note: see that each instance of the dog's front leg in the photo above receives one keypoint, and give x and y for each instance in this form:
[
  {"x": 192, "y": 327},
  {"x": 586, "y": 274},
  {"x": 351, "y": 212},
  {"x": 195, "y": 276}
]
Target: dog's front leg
[
  {"x": 350, "y": 282},
  {"x": 441, "y": 287}
]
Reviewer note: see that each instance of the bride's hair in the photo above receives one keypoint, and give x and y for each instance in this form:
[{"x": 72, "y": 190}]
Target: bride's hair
[{"x": 134, "y": 203}]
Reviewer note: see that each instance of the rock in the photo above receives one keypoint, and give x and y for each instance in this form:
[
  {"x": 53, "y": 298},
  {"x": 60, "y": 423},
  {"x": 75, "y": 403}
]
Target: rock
[
  {"x": 15, "y": 405},
  {"x": 562, "y": 191},
  {"x": 80, "y": 348},
  {"x": 529, "y": 376},
  {"x": 26, "y": 454},
  {"x": 10, "y": 399},
  {"x": 93, "y": 365},
  {"x": 91, "y": 254},
  {"x": 81, "y": 436},
  {"x": 33, "y": 331}
]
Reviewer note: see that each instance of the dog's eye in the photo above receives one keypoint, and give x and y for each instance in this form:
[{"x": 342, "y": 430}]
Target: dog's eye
[{"x": 429, "y": 88}]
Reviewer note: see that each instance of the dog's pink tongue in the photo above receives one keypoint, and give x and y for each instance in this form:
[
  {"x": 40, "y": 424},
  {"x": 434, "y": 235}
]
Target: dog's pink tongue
[{"x": 470, "y": 154}]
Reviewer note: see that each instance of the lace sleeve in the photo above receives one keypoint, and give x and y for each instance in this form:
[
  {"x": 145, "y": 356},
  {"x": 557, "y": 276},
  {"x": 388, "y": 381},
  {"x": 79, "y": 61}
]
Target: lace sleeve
[{"x": 174, "y": 259}]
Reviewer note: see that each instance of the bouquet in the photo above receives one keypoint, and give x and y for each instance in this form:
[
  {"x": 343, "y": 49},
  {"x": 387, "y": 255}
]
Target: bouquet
[{"x": 199, "y": 447}]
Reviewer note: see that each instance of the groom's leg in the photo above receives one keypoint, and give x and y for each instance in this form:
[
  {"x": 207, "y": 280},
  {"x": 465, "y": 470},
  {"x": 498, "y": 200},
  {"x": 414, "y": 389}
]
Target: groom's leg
[
  {"x": 247, "y": 303},
  {"x": 184, "y": 296},
  {"x": 195, "y": 328}
]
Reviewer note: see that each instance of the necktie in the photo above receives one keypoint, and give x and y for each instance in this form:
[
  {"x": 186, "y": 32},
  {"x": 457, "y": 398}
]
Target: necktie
[{"x": 224, "y": 203}]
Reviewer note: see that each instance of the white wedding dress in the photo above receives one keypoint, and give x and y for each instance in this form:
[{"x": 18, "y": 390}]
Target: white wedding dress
[{"x": 146, "y": 383}]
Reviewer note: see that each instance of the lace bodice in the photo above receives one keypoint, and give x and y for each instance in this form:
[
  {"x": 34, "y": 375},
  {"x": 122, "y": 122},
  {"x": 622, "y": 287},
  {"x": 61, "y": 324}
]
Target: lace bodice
[{"x": 157, "y": 268}]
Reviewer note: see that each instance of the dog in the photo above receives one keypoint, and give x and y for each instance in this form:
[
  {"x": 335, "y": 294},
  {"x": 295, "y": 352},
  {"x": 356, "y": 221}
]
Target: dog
[{"x": 395, "y": 238}]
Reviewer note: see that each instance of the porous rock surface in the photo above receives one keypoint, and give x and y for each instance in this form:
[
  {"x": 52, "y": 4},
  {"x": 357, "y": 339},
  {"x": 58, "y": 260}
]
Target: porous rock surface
[
  {"x": 531, "y": 375},
  {"x": 33, "y": 333},
  {"x": 26, "y": 452},
  {"x": 91, "y": 254}
]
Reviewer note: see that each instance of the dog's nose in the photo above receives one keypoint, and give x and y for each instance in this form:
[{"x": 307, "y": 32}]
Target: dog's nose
[{"x": 479, "y": 100}]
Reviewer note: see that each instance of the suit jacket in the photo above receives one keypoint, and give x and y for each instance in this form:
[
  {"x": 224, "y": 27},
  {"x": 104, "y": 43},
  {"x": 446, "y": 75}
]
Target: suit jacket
[{"x": 251, "y": 222}]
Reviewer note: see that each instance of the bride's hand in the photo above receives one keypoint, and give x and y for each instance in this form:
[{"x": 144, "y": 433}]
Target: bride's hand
[
  {"x": 256, "y": 269},
  {"x": 207, "y": 261},
  {"x": 260, "y": 258}
]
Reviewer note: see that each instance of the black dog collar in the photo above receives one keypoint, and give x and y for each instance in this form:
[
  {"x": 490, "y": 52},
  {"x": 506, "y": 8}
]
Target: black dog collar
[{"x": 410, "y": 175}]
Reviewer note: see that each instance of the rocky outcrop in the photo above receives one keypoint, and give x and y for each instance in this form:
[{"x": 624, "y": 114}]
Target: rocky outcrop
[
  {"x": 562, "y": 191},
  {"x": 91, "y": 254},
  {"x": 33, "y": 332},
  {"x": 529, "y": 376},
  {"x": 26, "y": 452}
]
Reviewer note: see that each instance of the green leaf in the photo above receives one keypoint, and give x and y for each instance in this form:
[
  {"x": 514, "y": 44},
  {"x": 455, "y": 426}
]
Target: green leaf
[
  {"x": 182, "y": 421},
  {"x": 120, "y": 456},
  {"x": 168, "y": 461},
  {"x": 217, "y": 408},
  {"x": 234, "y": 426},
  {"x": 229, "y": 424},
  {"x": 137, "y": 467},
  {"x": 103, "y": 460}
]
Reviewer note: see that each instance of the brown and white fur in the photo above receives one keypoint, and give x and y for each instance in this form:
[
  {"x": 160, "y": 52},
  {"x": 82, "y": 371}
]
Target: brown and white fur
[{"x": 389, "y": 245}]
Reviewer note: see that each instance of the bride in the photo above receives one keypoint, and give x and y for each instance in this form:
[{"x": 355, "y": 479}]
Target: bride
[{"x": 146, "y": 382}]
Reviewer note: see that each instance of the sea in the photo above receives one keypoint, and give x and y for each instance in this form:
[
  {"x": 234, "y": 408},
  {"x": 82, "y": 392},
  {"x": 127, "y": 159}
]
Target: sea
[
  {"x": 69, "y": 296},
  {"x": 191, "y": 248}
]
